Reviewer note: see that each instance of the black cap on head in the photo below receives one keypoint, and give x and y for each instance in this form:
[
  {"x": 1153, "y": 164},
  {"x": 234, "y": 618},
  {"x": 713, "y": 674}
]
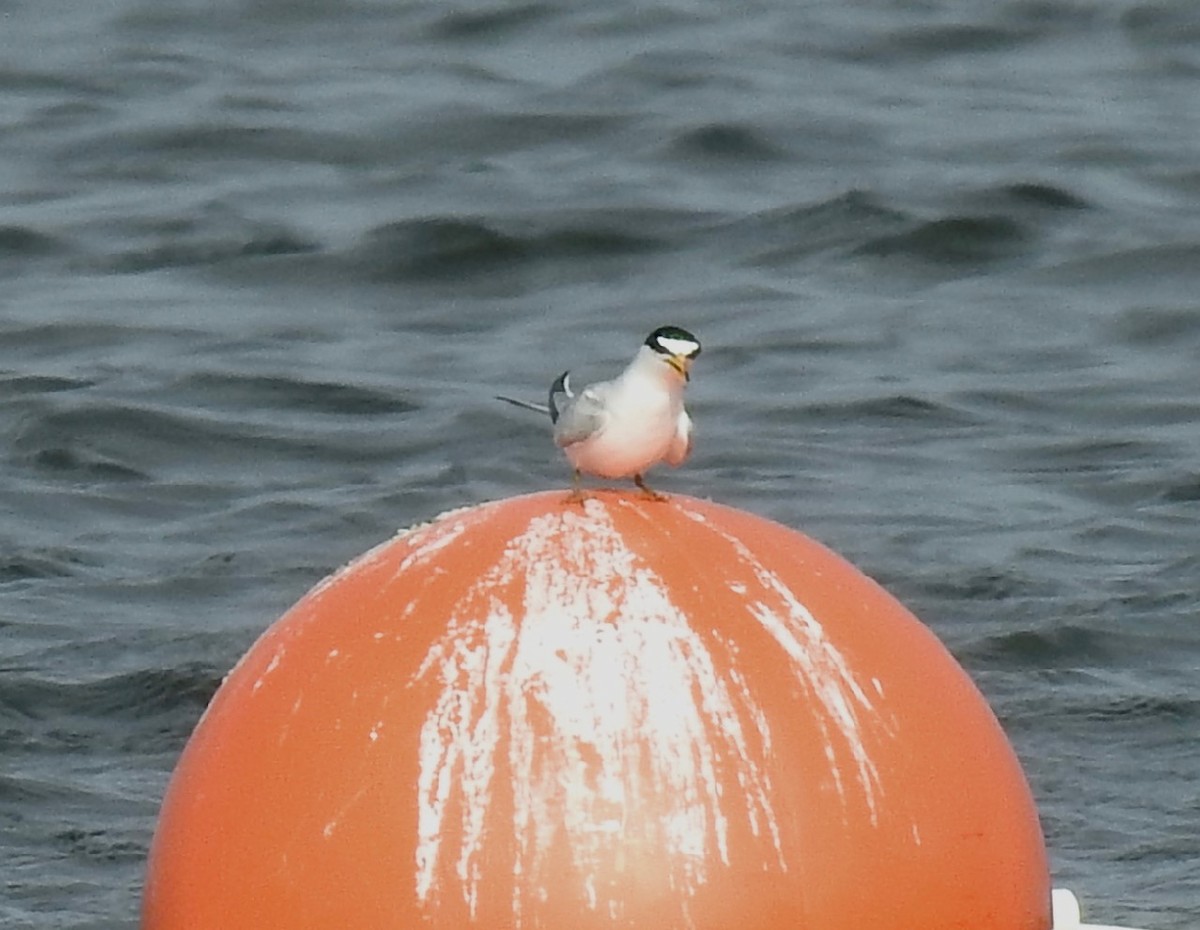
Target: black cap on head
[{"x": 673, "y": 340}]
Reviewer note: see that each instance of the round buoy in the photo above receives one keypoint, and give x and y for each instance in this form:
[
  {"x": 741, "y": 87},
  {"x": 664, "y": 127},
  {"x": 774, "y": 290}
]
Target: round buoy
[{"x": 630, "y": 713}]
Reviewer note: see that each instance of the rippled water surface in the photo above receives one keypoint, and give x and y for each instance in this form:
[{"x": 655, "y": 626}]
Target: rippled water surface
[{"x": 264, "y": 262}]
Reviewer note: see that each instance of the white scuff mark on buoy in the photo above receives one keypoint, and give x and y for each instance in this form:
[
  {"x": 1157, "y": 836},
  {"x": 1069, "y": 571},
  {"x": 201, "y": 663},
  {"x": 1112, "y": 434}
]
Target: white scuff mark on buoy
[
  {"x": 820, "y": 666},
  {"x": 424, "y": 539},
  {"x": 332, "y": 824},
  {"x": 428, "y": 541},
  {"x": 598, "y": 711},
  {"x": 271, "y": 666}
]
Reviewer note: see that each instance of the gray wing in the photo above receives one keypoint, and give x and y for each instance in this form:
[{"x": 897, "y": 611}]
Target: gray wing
[{"x": 581, "y": 416}]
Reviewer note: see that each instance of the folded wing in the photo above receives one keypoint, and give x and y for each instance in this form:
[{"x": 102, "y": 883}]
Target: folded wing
[
  {"x": 681, "y": 444},
  {"x": 579, "y": 418}
]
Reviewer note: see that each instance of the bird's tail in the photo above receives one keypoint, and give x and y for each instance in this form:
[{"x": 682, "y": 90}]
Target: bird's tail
[
  {"x": 526, "y": 404},
  {"x": 560, "y": 391}
]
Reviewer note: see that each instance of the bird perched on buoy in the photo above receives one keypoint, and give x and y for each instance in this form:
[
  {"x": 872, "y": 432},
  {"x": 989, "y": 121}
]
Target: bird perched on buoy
[{"x": 623, "y": 427}]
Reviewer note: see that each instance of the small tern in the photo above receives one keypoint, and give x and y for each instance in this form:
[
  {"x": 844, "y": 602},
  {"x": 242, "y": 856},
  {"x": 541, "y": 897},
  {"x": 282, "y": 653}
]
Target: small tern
[{"x": 623, "y": 427}]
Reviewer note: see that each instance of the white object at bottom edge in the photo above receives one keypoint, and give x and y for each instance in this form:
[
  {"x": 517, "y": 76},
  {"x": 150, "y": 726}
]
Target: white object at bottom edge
[{"x": 1065, "y": 907}]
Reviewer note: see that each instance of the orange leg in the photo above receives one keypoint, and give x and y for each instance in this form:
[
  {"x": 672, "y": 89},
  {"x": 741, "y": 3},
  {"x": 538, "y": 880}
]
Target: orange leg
[
  {"x": 649, "y": 491},
  {"x": 578, "y": 495}
]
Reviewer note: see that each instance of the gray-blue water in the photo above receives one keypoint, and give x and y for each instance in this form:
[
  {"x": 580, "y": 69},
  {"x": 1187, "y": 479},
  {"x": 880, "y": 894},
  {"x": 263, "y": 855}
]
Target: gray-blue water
[{"x": 264, "y": 262}]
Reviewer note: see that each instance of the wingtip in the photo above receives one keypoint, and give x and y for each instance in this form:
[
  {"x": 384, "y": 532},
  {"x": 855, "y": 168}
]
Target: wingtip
[
  {"x": 560, "y": 387},
  {"x": 562, "y": 384},
  {"x": 523, "y": 404}
]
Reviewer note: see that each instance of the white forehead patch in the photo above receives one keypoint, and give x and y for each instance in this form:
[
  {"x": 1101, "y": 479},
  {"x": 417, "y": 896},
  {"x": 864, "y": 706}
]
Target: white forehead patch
[{"x": 678, "y": 346}]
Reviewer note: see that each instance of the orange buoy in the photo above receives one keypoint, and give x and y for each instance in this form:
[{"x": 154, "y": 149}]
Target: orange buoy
[{"x": 531, "y": 714}]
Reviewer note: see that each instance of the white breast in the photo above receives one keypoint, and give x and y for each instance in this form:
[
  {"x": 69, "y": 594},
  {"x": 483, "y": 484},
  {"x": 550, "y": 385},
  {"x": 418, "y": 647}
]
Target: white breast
[{"x": 643, "y": 411}]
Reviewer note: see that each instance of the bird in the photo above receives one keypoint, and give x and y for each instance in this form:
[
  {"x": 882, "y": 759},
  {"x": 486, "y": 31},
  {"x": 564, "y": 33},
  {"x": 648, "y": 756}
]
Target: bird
[{"x": 623, "y": 427}]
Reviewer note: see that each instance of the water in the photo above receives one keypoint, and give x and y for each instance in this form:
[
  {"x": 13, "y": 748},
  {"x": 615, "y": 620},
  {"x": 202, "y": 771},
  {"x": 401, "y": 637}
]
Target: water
[{"x": 264, "y": 263}]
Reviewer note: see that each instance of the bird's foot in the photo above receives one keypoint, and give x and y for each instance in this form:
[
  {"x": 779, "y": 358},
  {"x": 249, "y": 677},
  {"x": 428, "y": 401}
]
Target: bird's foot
[
  {"x": 578, "y": 495},
  {"x": 648, "y": 492}
]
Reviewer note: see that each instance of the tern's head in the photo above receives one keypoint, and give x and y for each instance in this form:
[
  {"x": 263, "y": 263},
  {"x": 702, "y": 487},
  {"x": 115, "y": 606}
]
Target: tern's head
[{"x": 675, "y": 346}]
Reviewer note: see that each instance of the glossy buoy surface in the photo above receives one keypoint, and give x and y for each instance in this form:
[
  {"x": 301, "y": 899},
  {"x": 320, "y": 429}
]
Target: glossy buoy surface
[{"x": 635, "y": 714}]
